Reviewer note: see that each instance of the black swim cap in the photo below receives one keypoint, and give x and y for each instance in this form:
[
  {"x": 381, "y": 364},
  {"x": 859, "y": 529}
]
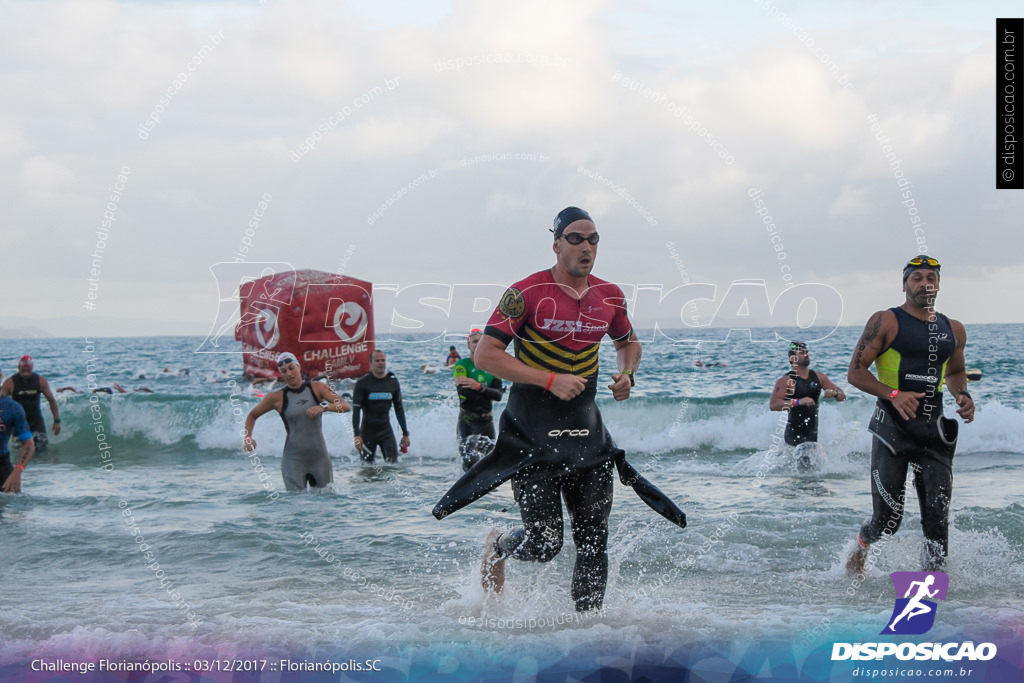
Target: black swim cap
[
  {"x": 796, "y": 347},
  {"x": 567, "y": 217}
]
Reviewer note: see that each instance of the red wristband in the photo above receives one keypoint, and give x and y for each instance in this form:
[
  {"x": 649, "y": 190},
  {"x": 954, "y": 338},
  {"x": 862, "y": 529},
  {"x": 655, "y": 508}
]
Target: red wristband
[
  {"x": 551, "y": 380},
  {"x": 20, "y": 467},
  {"x": 893, "y": 394}
]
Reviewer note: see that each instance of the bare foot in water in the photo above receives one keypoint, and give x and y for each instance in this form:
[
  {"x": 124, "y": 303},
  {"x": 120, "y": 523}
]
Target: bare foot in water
[
  {"x": 857, "y": 559},
  {"x": 492, "y": 570}
]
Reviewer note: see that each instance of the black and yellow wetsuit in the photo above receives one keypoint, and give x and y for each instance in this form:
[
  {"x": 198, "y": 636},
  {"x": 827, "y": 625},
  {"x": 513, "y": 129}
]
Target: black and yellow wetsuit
[{"x": 915, "y": 361}]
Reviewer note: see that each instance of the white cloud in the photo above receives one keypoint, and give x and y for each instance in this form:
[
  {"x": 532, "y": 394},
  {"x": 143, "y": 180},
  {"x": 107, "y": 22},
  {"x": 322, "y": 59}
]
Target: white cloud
[
  {"x": 83, "y": 75},
  {"x": 43, "y": 178},
  {"x": 852, "y": 201}
]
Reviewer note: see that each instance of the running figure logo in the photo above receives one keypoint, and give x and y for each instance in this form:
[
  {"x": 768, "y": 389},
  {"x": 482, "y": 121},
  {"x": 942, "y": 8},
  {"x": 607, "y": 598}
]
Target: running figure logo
[{"x": 914, "y": 613}]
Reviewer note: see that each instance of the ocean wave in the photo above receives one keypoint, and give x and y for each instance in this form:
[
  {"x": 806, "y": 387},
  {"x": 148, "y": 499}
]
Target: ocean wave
[{"x": 138, "y": 424}]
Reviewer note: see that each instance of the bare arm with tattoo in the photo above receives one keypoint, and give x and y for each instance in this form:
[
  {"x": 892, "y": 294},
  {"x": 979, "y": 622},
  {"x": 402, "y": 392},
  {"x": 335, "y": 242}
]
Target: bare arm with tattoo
[{"x": 878, "y": 335}]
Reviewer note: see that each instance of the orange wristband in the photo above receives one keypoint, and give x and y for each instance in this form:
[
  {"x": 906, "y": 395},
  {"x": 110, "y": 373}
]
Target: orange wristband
[
  {"x": 551, "y": 380},
  {"x": 20, "y": 467}
]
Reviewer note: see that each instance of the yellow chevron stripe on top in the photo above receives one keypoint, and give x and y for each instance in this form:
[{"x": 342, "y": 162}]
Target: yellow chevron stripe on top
[
  {"x": 556, "y": 349},
  {"x": 541, "y": 353}
]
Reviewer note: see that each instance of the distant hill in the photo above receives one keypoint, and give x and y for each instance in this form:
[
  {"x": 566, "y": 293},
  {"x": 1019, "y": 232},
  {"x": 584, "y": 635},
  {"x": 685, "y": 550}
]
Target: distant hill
[
  {"x": 23, "y": 333},
  {"x": 97, "y": 326}
]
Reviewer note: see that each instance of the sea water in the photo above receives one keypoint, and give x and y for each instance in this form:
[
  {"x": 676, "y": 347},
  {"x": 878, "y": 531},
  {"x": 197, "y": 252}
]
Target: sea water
[{"x": 146, "y": 533}]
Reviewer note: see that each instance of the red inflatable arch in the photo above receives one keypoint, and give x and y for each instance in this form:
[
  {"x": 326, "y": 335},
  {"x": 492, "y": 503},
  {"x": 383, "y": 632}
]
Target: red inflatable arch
[{"x": 326, "y": 320}]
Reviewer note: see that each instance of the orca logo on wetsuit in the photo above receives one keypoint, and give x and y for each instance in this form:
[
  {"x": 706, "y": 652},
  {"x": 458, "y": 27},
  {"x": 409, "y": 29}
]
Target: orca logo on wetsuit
[{"x": 571, "y": 432}]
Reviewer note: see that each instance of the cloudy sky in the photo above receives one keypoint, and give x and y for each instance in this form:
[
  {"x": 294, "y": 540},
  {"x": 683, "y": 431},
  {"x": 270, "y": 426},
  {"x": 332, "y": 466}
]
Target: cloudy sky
[{"x": 433, "y": 142}]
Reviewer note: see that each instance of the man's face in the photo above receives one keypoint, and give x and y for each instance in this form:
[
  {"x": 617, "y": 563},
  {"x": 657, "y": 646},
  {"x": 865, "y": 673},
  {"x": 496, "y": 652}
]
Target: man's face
[
  {"x": 921, "y": 287},
  {"x": 379, "y": 364},
  {"x": 24, "y": 370},
  {"x": 577, "y": 259},
  {"x": 800, "y": 357},
  {"x": 472, "y": 341}
]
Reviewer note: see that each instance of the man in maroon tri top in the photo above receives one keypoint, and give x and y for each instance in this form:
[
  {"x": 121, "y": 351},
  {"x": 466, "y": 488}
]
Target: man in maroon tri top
[
  {"x": 915, "y": 351},
  {"x": 552, "y": 441}
]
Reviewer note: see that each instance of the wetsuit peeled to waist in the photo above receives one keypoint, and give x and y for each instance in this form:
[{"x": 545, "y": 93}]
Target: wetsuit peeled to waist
[{"x": 803, "y": 419}]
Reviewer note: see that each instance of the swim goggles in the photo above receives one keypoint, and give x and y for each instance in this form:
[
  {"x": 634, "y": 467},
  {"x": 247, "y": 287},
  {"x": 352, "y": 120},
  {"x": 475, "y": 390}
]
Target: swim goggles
[
  {"x": 285, "y": 358},
  {"x": 577, "y": 238},
  {"x": 920, "y": 262},
  {"x": 926, "y": 261}
]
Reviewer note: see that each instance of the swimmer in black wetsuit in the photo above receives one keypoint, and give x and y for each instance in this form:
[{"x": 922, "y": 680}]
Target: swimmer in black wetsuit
[
  {"x": 300, "y": 403},
  {"x": 915, "y": 350},
  {"x": 477, "y": 391},
  {"x": 799, "y": 392},
  {"x": 372, "y": 398},
  {"x": 107, "y": 390},
  {"x": 26, "y": 387},
  {"x": 552, "y": 441}
]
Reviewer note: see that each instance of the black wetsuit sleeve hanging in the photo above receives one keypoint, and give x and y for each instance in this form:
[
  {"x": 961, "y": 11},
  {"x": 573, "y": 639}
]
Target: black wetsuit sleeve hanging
[
  {"x": 358, "y": 400},
  {"x": 493, "y": 391},
  {"x": 396, "y": 400}
]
